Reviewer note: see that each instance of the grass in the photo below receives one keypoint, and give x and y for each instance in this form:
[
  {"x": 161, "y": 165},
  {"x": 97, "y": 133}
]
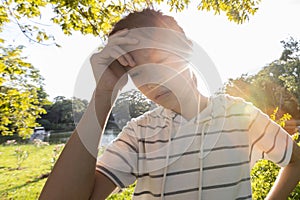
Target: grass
[{"x": 24, "y": 180}]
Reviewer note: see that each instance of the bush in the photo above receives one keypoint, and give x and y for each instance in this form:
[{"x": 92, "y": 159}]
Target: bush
[
  {"x": 16, "y": 137},
  {"x": 263, "y": 176},
  {"x": 124, "y": 194},
  {"x": 264, "y": 172}
]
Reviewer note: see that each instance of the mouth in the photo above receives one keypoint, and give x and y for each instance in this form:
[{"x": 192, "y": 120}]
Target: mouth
[{"x": 162, "y": 94}]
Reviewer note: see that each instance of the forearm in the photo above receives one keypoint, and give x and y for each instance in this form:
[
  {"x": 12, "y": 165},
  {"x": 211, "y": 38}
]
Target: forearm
[
  {"x": 286, "y": 181},
  {"x": 73, "y": 175}
]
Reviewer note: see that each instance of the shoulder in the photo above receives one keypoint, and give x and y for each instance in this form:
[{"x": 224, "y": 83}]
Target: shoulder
[
  {"x": 229, "y": 99},
  {"x": 234, "y": 105}
]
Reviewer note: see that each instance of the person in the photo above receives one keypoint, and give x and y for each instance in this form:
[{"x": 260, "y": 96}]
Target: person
[{"x": 189, "y": 147}]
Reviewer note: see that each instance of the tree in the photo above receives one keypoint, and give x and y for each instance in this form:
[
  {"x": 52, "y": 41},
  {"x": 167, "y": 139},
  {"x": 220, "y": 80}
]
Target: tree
[
  {"x": 63, "y": 113},
  {"x": 130, "y": 104},
  {"x": 20, "y": 93},
  {"x": 98, "y": 17},
  {"x": 87, "y": 16},
  {"x": 21, "y": 90},
  {"x": 290, "y": 62},
  {"x": 275, "y": 85}
]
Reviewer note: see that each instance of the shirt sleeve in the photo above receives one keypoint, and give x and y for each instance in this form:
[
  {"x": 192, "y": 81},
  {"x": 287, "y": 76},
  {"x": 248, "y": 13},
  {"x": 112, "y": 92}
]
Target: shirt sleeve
[
  {"x": 119, "y": 160},
  {"x": 268, "y": 140}
]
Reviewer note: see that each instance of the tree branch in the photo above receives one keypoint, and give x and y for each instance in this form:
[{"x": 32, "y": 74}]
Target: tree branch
[{"x": 20, "y": 26}]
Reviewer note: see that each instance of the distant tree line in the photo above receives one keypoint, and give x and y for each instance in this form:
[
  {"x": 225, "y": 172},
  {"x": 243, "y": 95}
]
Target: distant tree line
[{"x": 63, "y": 113}]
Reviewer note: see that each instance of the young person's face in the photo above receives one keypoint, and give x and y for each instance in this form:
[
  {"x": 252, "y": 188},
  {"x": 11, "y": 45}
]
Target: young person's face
[{"x": 162, "y": 76}]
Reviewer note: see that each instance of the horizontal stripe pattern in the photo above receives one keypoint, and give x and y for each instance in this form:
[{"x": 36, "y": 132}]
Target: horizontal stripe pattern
[
  {"x": 285, "y": 151},
  {"x": 110, "y": 174},
  {"x": 127, "y": 143},
  {"x": 194, "y": 152},
  {"x": 231, "y": 147},
  {"x": 213, "y": 188},
  {"x": 192, "y": 135},
  {"x": 176, "y": 173},
  {"x": 269, "y": 141}
]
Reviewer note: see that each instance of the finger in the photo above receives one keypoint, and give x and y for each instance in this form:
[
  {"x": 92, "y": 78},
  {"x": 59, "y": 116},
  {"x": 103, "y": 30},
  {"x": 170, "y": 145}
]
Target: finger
[
  {"x": 129, "y": 59},
  {"x": 101, "y": 58},
  {"x": 118, "y": 53},
  {"x": 123, "y": 61},
  {"x": 122, "y": 41},
  {"x": 120, "y": 33},
  {"x": 119, "y": 57},
  {"x": 124, "y": 55}
]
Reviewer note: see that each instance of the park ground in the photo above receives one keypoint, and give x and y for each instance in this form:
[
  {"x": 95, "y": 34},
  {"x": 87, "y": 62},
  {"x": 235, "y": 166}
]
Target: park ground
[{"x": 24, "y": 169}]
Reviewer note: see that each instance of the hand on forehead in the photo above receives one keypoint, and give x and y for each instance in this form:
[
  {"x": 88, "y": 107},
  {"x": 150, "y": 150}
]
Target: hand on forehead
[
  {"x": 155, "y": 46},
  {"x": 159, "y": 39}
]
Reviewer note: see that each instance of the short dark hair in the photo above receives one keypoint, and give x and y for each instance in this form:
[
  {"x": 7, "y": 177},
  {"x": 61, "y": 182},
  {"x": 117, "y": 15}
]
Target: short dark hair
[{"x": 147, "y": 18}]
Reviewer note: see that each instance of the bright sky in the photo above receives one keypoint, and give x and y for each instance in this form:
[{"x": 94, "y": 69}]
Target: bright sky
[{"x": 235, "y": 49}]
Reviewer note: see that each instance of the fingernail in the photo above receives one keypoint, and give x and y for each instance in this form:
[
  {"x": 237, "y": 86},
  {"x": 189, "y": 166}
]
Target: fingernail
[{"x": 123, "y": 62}]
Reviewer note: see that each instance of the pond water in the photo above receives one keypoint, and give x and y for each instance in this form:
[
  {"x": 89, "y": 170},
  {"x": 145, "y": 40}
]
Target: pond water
[{"x": 106, "y": 139}]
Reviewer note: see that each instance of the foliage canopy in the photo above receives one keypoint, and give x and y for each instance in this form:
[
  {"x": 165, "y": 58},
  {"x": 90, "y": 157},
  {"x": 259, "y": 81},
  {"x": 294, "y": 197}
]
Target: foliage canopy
[
  {"x": 21, "y": 100},
  {"x": 21, "y": 93},
  {"x": 275, "y": 85}
]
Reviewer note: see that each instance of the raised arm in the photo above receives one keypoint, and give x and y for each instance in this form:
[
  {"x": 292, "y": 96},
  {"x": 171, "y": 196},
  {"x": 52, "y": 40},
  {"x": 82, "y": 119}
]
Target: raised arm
[{"x": 74, "y": 175}]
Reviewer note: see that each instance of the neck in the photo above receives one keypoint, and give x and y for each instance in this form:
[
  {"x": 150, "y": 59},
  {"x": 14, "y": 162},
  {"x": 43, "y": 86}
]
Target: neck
[{"x": 193, "y": 106}]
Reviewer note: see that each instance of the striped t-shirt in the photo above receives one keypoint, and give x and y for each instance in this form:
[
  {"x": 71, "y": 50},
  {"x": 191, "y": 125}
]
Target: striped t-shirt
[{"x": 207, "y": 157}]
